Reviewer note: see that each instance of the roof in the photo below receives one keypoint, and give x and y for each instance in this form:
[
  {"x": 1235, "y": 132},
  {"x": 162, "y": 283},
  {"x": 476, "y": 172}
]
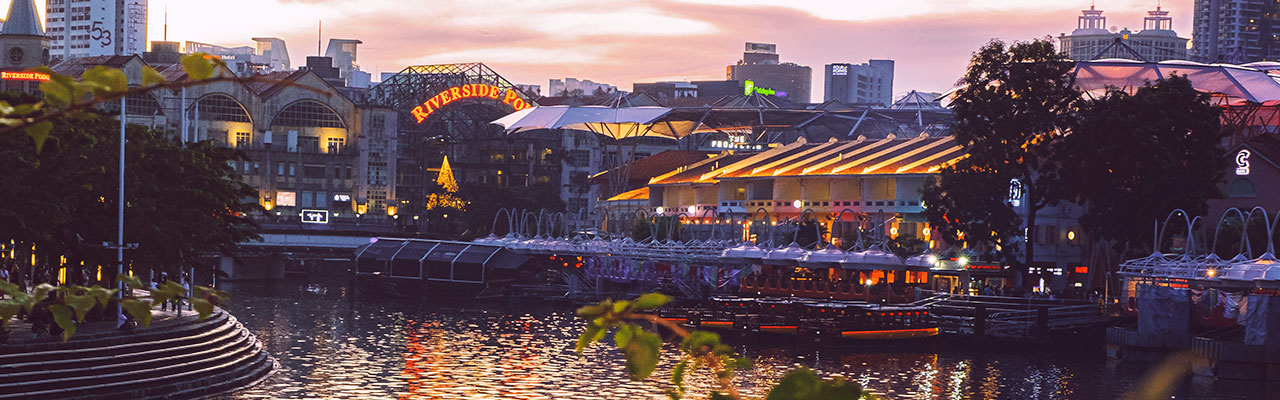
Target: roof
[
  {"x": 1231, "y": 84},
  {"x": 1266, "y": 146},
  {"x": 274, "y": 81},
  {"x": 22, "y": 19},
  {"x": 917, "y": 155},
  {"x": 75, "y": 66},
  {"x": 656, "y": 164},
  {"x": 637, "y": 194},
  {"x": 915, "y": 100}
]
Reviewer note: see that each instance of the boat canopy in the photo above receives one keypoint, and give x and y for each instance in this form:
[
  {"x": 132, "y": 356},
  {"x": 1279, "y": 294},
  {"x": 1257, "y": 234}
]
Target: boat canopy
[{"x": 434, "y": 260}]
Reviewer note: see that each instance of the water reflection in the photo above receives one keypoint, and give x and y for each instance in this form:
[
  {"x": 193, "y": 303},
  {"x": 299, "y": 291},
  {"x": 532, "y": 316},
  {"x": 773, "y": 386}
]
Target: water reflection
[{"x": 330, "y": 347}]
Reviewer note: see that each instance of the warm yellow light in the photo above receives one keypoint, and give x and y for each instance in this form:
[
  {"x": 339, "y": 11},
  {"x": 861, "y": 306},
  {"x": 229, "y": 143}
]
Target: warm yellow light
[
  {"x": 963, "y": 261},
  {"x": 1071, "y": 235},
  {"x": 660, "y": 210},
  {"x": 870, "y": 282},
  {"x": 1210, "y": 273},
  {"x": 99, "y": 273},
  {"x": 693, "y": 209},
  {"x": 926, "y": 231},
  {"x": 893, "y": 232},
  {"x": 62, "y": 275},
  {"x": 797, "y": 203},
  {"x": 391, "y": 210},
  {"x": 268, "y": 205},
  {"x": 362, "y": 209}
]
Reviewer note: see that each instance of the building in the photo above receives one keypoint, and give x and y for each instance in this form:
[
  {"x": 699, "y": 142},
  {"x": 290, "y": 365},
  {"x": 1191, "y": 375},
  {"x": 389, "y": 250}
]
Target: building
[
  {"x": 80, "y": 28},
  {"x": 343, "y": 53},
  {"x": 1155, "y": 42},
  {"x": 318, "y": 160},
  {"x": 575, "y": 87},
  {"x": 711, "y": 90},
  {"x": 534, "y": 90},
  {"x": 25, "y": 46},
  {"x": 267, "y": 55},
  {"x": 1236, "y": 31},
  {"x": 760, "y": 64},
  {"x": 867, "y": 83}
]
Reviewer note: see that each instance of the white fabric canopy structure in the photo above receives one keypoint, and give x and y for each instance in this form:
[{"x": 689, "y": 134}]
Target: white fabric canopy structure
[
  {"x": 615, "y": 122},
  {"x": 1230, "y": 84}
]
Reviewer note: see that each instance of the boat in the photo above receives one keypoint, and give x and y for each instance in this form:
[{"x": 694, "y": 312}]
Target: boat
[
  {"x": 849, "y": 320},
  {"x": 421, "y": 268}
]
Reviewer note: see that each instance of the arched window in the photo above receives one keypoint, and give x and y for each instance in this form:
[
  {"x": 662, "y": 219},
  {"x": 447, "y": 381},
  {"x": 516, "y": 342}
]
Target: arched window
[
  {"x": 308, "y": 113},
  {"x": 1241, "y": 187},
  {"x": 137, "y": 104},
  {"x": 218, "y": 107}
]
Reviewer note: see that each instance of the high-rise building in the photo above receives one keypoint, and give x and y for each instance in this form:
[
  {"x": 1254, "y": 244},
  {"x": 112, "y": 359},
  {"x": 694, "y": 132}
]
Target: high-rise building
[
  {"x": 96, "y": 27},
  {"x": 343, "y": 53},
  {"x": 867, "y": 83},
  {"x": 1155, "y": 42},
  {"x": 760, "y": 64},
  {"x": 1236, "y": 31}
]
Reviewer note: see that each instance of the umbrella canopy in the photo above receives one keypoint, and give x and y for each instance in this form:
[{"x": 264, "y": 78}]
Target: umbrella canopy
[{"x": 615, "y": 122}]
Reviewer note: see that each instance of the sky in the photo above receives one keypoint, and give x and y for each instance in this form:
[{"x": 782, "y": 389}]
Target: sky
[{"x": 624, "y": 41}]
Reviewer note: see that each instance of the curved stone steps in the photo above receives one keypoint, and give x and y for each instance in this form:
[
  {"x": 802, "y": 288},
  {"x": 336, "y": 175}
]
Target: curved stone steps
[
  {"x": 184, "y": 360},
  {"x": 46, "y": 349},
  {"x": 146, "y": 347},
  {"x": 98, "y": 366}
]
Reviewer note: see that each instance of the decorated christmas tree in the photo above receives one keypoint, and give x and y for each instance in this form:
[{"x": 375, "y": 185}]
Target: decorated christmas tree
[
  {"x": 446, "y": 194},
  {"x": 445, "y": 179}
]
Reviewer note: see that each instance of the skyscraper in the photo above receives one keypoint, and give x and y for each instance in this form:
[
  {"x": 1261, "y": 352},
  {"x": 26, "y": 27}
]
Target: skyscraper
[
  {"x": 867, "y": 83},
  {"x": 760, "y": 64},
  {"x": 1236, "y": 31},
  {"x": 96, "y": 27},
  {"x": 1155, "y": 42}
]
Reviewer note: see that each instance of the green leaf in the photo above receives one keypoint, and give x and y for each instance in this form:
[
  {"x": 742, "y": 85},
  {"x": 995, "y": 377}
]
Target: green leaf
[
  {"x": 699, "y": 343},
  {"x": 81, "y": 304},
  {"x": 9, "y": 289},
  {"x": 41, "y": 291},
  {"x": 624, "y": 335},
  {"x": 620, "y": 306},
  {"x": 202, "y": 306},
  {"x": 106, "y": 80},
  {"x": 139, "y": 309},
  {"x": 39, "y": 133},
  {"x": 8, "y": 308},
  {"x": 56, "y": 93},
  {"x": 677, "y": 374},
  {"x": 62, "y": 317},
  {"x": 592, "y": 334},
  {"x": 5, "y": 108},
  {"x": 132, "y": 281},
  {"x": 744, "y": 363},
  {"x": 593, "y": 311},
  {"x": 803, "y": 384},
  {"x": 151, "y": 77},
  {"x": 103, "y": 295},
  {"x": 642, "y": 354},
  {"x": 197, "y": 66},
  {"x": 651, "y": 301}
]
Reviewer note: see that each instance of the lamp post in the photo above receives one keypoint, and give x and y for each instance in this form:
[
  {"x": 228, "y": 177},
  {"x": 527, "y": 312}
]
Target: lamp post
[{"x": 120, "y": 219}]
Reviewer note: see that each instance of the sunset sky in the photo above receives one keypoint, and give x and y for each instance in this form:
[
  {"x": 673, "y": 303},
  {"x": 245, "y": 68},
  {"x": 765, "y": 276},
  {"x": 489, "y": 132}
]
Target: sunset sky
[{"x": 621, "y": 42}]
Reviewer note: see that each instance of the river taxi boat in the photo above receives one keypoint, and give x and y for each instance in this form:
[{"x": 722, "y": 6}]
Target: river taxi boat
[
  {"x": 808, "y": 317},
  {"x": 419, "y": 268}
]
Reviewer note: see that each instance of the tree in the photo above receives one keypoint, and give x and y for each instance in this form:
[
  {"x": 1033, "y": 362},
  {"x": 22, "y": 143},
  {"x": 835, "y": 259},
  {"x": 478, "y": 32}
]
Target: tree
[
  {"x": 1135, "y": 157},
  {"x": 1014, "y": 104}
]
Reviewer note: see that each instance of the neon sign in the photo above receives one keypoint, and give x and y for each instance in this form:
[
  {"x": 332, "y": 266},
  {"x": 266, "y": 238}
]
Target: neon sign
[
  {"x": 24, "y": 76},
  {"x": 1242, "y": 162},
  {"x": 315, "y": 216},
  {"x": 474, "y": 90},
  {"x": 752, "y": 88},
  {"x": 839, "y": 70}
]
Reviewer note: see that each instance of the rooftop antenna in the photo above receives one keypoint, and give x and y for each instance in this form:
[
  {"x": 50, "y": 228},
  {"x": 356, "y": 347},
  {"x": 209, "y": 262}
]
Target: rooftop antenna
[
  {"x": 319, "y": 35},
  {"x": 166, "y": 21}
]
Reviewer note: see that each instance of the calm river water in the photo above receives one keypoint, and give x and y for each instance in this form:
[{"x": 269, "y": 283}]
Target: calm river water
[{"x": 332, "y": 347}]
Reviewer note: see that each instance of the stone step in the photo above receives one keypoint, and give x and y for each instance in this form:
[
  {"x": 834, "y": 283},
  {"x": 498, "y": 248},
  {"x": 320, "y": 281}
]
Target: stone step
[
  {"x": 115, "y": 353},
  {"x": 218, "y": 356},
  {"x": 158, "y": 368},
  {"x": 117, "y": 362},
  {"x": 53, "y": 348}
]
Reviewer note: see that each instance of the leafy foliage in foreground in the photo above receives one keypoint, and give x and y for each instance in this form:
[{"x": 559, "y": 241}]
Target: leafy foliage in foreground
[
  {"x": 698, "y": 350},
  {"x": 69, "y": 304}
]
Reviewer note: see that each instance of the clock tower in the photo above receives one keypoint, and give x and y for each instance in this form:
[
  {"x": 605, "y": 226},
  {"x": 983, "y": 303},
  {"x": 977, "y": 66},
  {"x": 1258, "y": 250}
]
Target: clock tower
[{"x": 23, "y": 43}]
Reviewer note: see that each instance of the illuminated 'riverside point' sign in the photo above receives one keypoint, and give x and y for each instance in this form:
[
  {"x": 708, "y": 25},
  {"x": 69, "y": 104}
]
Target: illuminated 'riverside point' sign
[{"x": 511, "y": 97}]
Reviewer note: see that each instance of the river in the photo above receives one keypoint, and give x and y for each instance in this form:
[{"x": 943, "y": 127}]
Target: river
[{"x": 332, "y": 346}]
